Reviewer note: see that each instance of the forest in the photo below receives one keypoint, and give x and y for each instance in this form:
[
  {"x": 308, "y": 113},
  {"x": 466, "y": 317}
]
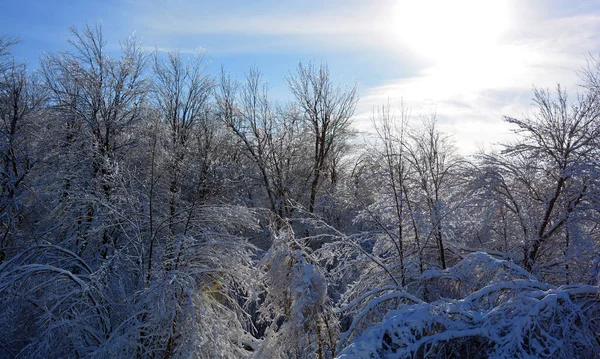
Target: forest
[{"x": 149, "y": 209}]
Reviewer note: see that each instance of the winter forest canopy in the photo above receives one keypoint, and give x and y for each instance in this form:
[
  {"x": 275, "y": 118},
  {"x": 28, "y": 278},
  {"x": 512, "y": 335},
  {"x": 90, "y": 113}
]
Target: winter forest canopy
[{"x": 151, "y": 210}]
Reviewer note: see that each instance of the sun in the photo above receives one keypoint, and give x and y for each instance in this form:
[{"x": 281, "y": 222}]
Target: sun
[{"x": 442, "y": 28}]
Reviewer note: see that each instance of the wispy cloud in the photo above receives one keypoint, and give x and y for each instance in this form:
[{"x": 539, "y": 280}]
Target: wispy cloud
[
  {"x": 316, "y": 25},
  {"x": 277, "y": 25},
  {"x": 265, "y": 17}
]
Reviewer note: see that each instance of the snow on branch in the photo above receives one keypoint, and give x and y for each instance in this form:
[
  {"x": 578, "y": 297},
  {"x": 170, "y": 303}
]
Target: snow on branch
[{"x": 509, "y": 314}]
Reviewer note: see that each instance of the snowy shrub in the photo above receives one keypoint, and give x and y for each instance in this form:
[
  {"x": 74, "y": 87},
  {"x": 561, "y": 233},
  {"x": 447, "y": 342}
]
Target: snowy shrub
[
  {"x": 193, "y": 309},
  {"x": 53, "y": 305},
  {"x": 296, "y": 306},
  {"x": 478, "y": 270},
  {"x": 50, "y": 305},
  {"x": 508, "y": 314}
]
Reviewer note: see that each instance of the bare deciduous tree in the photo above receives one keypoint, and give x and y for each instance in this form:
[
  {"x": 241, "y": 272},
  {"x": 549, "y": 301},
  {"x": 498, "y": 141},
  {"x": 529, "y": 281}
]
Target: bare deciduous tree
[
  {"x": 96, "y": 99},
  {"x": 181, "y": 93},
  {"x": 433, "y": 159},
  {"x": 20, "y": 98},
  {"x": 562, "y": 140},
  {"x": 328, "y": 110}
]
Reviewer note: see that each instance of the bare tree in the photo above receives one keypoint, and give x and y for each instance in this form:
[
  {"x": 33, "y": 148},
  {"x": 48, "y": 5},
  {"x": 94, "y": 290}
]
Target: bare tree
[
  {"x": 21, "y": 98},
  {"x": 96, "y": 99},
  {"x": 5, "y": 53},
  {"x": 181, "y": 93},
  {"x": 561, "y": 139},
  {"x": 328, "y": 110},
  {"x": 250, "y": 117},
  {"x": 389, "y": 160},
  {"x": 433, "y": 159},
  {"x": 271, "y": 138}
]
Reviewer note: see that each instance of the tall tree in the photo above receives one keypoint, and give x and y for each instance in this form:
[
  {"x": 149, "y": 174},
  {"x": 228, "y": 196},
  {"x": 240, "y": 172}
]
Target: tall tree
[
  {"x": 270, "y": 137},
  {"x": 328, "y": 110},
  {"x": 181, "y": 92},
  {"x": 21, "y": 99},
  {"x": 435, "y": 164},
  {"x": 560, "y": 142},
  {"x": 96, "y": 100}
]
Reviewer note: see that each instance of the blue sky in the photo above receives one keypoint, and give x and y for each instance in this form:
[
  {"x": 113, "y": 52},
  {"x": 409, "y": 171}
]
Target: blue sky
[{"x": 470, "y": 61}]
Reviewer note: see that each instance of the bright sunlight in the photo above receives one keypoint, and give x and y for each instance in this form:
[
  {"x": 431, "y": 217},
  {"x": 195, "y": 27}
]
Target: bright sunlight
[{"x": 438, "y": 28}]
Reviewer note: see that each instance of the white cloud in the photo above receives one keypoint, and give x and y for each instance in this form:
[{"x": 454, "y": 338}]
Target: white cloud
[{"x": 471, "y": 92}]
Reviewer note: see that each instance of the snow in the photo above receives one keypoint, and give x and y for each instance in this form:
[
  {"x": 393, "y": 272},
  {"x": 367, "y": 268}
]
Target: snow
[{"x": 508, "y": 316}]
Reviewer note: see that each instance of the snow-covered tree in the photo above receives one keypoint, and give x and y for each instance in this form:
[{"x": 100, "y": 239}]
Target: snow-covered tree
[
  {"x": 95, "y": 100},
  {"x": 546, "y": 182},
  {"x": 297, "y": 306},
  {"x": 21, "y": 104},
  {"x": 327, "y": 109}
]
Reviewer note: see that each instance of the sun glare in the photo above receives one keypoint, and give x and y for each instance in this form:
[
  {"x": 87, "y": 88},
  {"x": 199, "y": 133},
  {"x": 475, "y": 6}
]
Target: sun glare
[{"x": 442, "y": 28}]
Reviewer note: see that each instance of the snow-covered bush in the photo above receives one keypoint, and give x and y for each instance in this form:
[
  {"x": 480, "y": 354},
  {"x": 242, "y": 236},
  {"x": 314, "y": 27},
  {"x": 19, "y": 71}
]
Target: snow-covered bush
[
  {"x": 489, "y": 309},
  {"x": 296, "y": 306},
  {"x": 51, "y": 306},
  {"x": 194, "y": 309},
  {"x": 54, "y": 305}
]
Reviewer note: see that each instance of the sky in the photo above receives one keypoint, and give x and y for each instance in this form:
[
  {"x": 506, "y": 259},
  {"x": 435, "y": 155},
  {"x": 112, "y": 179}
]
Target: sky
[{"x": 469, "y": 62}]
